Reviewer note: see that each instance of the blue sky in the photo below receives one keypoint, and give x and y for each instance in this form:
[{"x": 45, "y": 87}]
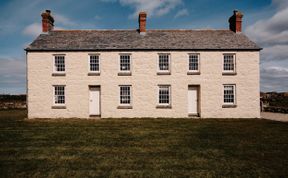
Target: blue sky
[{"x": 265, "y": 22}]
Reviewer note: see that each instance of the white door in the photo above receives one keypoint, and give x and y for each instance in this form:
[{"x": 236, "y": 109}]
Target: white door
[
  {"x": 94, "y": 101},
  {"x": 192, "y": 100}
]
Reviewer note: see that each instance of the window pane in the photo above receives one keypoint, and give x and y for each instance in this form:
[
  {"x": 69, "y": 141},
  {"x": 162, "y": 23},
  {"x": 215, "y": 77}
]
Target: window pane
[
  {"x": 164, "y": 95},
  {"x": 228, "y": 64},
  {"x": 193, "y": 62},
  {"x": 229, "y": 95},
  {"x": 59, "y": 63},
  {"x": 59, "y": 94},
  {"x": 94, "y": 63},
  {"x": 125, "y": 95},
  {"x": 164, "y": 62},
  {"x": 124, "y": 63}
]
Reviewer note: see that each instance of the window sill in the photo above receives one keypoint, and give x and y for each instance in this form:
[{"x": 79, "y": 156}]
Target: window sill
[
  {"x": 163, "y": 73},
  {"x": 229, "y": 73},
  {"x": 194, "y": 115},
  {"x": 124, "y": 107},
  {"x": 193, "y": 73},
  {"x": 163, "y": 106},
  {"x": 58, "y": 107},
  {"x": 93, "y": 73},
  {"x": 229, "y": 106},
  {"x": 124, "y": 73},
  {"x": 58, "y": 74}
]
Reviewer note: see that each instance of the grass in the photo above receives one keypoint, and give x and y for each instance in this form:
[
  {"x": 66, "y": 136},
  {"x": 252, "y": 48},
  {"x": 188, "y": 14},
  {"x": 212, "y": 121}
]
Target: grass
[{"x": 141, "y": 147}]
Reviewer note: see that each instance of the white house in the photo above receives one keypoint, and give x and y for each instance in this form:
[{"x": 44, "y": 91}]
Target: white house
[{"x": 143, "y": 73}]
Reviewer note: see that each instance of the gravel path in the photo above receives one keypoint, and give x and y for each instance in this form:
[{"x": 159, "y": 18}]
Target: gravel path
[{"x": 274, "y": 116}]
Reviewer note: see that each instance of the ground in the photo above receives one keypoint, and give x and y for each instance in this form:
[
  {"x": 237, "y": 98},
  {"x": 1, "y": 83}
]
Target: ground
[
  {"x": 275, "y": 116},
  {"x": 142, "y": 147}
]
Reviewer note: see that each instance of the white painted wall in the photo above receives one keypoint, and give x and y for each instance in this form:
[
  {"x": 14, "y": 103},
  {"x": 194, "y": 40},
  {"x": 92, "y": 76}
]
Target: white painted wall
[{"x": 144, "y": 81}]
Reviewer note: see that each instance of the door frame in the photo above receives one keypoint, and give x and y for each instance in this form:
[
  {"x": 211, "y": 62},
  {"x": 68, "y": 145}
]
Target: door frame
[
  {"x": 89, "y": 87},
  {"x": 198, "y": 100}
]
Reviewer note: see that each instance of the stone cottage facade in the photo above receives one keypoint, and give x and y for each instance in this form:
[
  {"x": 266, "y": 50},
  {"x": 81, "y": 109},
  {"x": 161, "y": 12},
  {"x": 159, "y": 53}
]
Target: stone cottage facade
[{"x": 143, "y": 73}]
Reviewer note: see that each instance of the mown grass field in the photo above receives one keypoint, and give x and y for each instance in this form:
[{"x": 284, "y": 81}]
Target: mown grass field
[{"x": 141, "y": 147}]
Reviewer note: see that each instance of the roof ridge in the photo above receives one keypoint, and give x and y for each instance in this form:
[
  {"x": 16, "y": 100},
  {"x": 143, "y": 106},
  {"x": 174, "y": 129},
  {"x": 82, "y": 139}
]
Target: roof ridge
[{"x": 151, "y": 30}]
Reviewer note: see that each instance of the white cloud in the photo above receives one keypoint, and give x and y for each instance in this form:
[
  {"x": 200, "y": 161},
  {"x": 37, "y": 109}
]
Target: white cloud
[
  {"x": 280, "y": 3},
  {"x": 97, "y": 17},
  {"x": 271, "y": 31},
  {"x": 65, "y": 21},
  {"x": 33, "y": 29},
  {"x": 276, "y": 52},
  {"x": 153, "y": 8},
  {"x": 182, "y": 12},
  {"x": 272, "y": 34},
  {"x": 12, "y": 74},
  {"x": 274, "y": 78}
]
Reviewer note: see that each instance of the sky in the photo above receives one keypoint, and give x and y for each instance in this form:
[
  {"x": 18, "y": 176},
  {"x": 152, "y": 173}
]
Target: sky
[{"x": 265, "y": 22}]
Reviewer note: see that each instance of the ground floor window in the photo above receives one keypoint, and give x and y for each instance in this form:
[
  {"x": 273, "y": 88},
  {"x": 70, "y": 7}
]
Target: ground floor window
[
  {"x": 164, "y": 95},
  {"x": 125, "y": 95},
  {"x": 59, "y": 95},
  {"x": 229, "y": 94}
]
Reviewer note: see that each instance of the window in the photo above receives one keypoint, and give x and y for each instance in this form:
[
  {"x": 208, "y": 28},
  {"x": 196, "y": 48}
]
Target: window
[
  {"x": 125, "y": 95},
  {"x": 194, "y": 62},
  {"x": 59, "y": 95},
  {"x": 125, "y": 63},
  {"x": 94, "y": 65},
  {"x": 229, "y": 94},
  {"x": 164, "y": 95},
  {"x": 229, "y": 63},
  {"x": 164, "y": 63},
  {"x": 59, "y": 64}
]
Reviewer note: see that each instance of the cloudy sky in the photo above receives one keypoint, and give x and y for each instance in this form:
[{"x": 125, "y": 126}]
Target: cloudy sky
[{"x": 265, "y": 22}]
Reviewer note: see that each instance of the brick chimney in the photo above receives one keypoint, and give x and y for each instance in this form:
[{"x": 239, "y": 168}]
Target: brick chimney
[
  {"x": 235, "y": 22},
  {"x": 142, "y": 22},
  {"x": 47, "y": 21}
]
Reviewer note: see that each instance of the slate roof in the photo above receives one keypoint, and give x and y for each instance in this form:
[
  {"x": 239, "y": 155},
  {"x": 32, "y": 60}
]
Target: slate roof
[{"x": 93, "y": 40}]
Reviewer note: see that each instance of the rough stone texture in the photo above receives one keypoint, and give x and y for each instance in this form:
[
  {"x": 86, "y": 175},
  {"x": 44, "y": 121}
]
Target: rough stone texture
[
  {"x": 144, "y": 81},
  {"x": 65, "y": 40}
]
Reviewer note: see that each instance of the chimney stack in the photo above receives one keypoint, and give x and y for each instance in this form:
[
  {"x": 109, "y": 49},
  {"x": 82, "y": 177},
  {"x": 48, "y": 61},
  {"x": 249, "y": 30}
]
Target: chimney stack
[
  {"x": 235, "y": 22},
  {"x": 142, "y": 22},
  {"x": 47, "y": 21}
]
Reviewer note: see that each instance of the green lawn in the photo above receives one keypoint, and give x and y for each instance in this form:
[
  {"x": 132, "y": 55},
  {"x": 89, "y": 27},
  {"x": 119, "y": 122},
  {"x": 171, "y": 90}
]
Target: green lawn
[{"x": 142, "y": 147}]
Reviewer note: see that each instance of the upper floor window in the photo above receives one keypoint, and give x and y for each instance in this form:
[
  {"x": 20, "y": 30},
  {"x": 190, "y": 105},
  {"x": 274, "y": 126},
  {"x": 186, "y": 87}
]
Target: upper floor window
[
  {"x": 125, "y": 63},
  {"x": 229, "y": 64},
  {"x": 94, "y": 64},
  {"x": 164, "y": 64},
  {"x": 194, "y": 62},
  {"x": 229, "y": 94},
  {"x": 59, "y": 95},
  {"x": 59, "y": 63}
]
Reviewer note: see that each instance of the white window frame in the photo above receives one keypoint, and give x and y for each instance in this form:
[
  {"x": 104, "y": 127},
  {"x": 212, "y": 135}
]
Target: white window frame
[
  {"x": 198, "y": 62},
  {"x": 125, "y": 72},
  {"x": 163, "y": 72},
  {"x": 234, "y": 64},
  {"x": 54, "y": 64},
  {"x": 169, "y": 95},
  {"x": 55, "y": 95},
  {"x": 89, "y": 64},
  {"x": 234, "y": 94},
  {"x": 130, "y": 90}
]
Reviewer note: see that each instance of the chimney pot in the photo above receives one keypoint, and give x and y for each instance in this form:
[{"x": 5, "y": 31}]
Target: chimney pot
[
  {"x": 142, "y": 22},
  {"x": 235, "y": 21},
  {"x": 47, "y": 21}
]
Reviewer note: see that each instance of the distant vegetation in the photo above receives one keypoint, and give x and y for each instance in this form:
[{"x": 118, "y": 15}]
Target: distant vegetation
[
  {"x": 12, "y": 97},
  {"x": 275, "y": 102},
  {"x": 12, "y": 101}
]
